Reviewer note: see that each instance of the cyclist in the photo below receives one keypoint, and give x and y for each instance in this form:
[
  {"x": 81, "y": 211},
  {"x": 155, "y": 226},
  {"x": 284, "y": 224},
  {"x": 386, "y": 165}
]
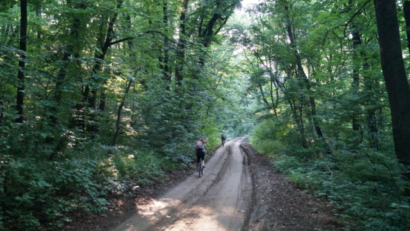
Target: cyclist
[
  {"x": 223, "y": 137},
  {"x": 200, "y": 151}
]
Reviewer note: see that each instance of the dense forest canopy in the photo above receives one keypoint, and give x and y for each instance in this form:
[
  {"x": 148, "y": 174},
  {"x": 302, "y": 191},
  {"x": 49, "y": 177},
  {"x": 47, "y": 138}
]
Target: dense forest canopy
[{"x": 97, "y": 95}]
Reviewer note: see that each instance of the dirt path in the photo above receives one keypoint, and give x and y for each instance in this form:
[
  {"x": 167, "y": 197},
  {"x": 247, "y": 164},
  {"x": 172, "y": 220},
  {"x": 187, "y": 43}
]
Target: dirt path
[
  {"x": 217, "y": 201},
  {"x": 278, "y": 205},
  {"x": 239, "y": 191}
]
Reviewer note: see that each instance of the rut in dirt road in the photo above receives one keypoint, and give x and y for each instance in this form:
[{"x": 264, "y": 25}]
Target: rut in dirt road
[{"x": 219, "y": 200}]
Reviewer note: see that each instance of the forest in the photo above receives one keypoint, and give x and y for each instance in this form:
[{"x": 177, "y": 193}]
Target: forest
[{"x": 98, "y": 96}]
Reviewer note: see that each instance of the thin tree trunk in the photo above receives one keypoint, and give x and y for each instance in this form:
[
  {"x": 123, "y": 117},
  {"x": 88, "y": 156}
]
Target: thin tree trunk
[
  {"x": 22, "y": 62},
  {"x": 180, "y": 53},
  {"x": 371, "y": 110},
  {"x": 106, "y": 44},
  {"x": 13, "y": 35},
  {"x": 271, "y": 86},
  {"x": 356, "y": 38},
  {"x": 5, "y": 32},
  {"x": 167, "y": 76},
  {"x": 127, "y": 90},
  {"x": 263, "y": 96},
  {"x": 38, "y": 13},
  {"x": 299, "y": 123},
  {"x": 103, "y": 98},
  {"x": 118, "y": 123},
  {"x": 395, "y": 77},
  {"x": 61, "y": 76},
  {"x": 272, "y": 99},
  {"x": 58, "y": 95},
  {"x": 302, "y": 75},
  {"x": 1, "y": 114}
]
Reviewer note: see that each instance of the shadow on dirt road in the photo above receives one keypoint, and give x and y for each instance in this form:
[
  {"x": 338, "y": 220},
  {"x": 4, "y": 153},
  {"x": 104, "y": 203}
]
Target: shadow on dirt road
[
  {"x": 217, "y": 201},
  {"x": 239, "y": 191}
]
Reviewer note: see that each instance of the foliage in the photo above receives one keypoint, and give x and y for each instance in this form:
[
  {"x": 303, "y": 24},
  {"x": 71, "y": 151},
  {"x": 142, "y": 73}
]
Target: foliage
[
  {"x": 56, "y": 187},
  {"x": 114, "y": 95},
  {"x": 365, "y": 185},
  {"x": 315, "y": 74}
]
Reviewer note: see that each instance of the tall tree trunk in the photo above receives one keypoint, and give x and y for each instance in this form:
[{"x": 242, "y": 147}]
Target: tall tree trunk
[
  {"x": 1, "y": 113},
  {"x": 13, "y": 35},
  {"x": 303, "y": 77},
  {"x": 167, "y": 76},
  {"x": 127, "y": 89},
  {"x": 118, "y": 123},
  {"x": 271, "y": 97},
  {"x": 263, "y": 96},
  {"x": 61, "y": 76},
  {"x": 299, "y": 121},
  {"x": 38, "y": 13},
  {"x": 180, "y": 53},
  {"x": 106, "y": 42},
  {"x": 357, "y": 41},
  {"x": 395, "y": 77},
  {"x": 58, "y": 95},
  {"x": 22, "y": 62},
  {"x": 370, "y": 110},
  {"x": 6, "y": 32}
]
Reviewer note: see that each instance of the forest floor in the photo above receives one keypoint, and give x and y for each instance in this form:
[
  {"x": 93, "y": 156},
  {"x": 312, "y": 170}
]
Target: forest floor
[{"x": 239, "y": 191}]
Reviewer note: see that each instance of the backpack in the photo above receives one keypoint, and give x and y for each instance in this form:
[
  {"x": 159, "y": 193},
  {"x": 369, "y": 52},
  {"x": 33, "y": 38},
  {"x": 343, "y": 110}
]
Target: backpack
[
  {"x": 223, "y": 136},
  {"x": 199, "y": 144}
]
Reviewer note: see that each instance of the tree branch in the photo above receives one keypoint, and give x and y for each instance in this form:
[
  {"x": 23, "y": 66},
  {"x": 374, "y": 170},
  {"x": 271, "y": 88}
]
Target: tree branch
[
  {"x": 147, "y": 32},
  {"x": 347, "y": 23}
]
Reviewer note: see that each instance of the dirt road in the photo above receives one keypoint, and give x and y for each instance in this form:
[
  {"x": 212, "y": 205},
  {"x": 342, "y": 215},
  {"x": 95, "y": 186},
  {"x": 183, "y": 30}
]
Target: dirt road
[{"x": 219, "y": 200}]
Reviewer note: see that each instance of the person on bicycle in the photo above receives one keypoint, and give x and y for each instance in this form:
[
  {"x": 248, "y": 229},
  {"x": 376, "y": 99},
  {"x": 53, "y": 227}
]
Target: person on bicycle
[
  {"x": 200, "y": 151},
  {"x": 223, "y": 137}
]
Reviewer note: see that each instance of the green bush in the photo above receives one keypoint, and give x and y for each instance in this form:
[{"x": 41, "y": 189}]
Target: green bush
[
  {"x": 34, "y": 193},
  {"x": 298, "y": 179},
  {"x": 142, "y": 166},
  {"x": 286, "y": 164},
  {"x": 269, "y": 147}
]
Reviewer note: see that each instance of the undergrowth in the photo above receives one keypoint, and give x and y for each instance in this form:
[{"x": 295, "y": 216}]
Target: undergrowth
[
  {"x": 364, "y": 185},
  {"x": 45, "y": 193},
  {"x": 42, "y": 190}
]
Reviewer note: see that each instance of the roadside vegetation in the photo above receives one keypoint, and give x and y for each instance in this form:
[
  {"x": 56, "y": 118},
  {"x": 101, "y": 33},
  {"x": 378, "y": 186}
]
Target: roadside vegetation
[
  {"x": 364, "y": 185},
  {"x": 326, "y": 118},
  {"x": 97, "y": 97}
]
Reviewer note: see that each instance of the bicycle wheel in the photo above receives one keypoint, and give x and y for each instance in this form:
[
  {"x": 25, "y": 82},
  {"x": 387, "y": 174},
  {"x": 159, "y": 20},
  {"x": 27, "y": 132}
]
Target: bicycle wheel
[{"x": 200, "y": 168}]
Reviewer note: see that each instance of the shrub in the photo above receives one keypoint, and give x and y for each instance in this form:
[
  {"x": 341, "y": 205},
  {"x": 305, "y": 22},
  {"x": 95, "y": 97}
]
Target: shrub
[
  {"x": 269, "y": 147},
  {"x": 286, "y": 164},
  {"x": 34, "y": 193}
]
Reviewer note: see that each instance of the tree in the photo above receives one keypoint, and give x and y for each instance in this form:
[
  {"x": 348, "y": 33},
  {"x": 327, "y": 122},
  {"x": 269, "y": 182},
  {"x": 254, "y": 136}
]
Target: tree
[
  {"x": 22, "y": 61},
  {"x": 395, "y": 77}
]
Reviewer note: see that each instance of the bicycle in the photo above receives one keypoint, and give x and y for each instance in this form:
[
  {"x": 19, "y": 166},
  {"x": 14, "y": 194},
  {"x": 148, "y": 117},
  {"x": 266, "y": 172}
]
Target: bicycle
[{"x": 200, "y": 168}]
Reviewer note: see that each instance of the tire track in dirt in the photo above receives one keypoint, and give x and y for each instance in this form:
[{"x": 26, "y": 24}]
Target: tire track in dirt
[
  {"x": 276, "y": 205},
  {"x": 217, "y": 201}
]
